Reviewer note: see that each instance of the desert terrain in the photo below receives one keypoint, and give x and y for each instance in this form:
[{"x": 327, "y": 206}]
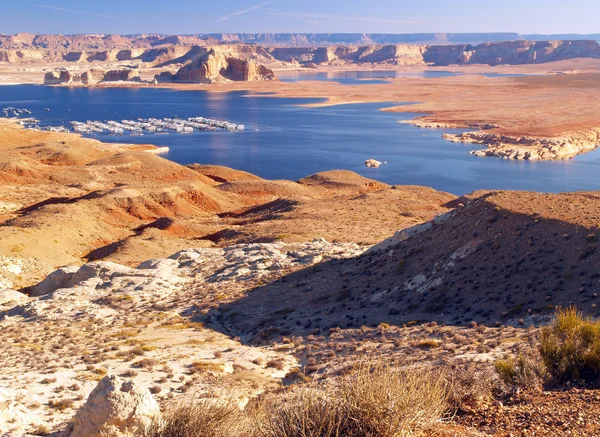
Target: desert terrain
[
  {"x": 187, "y": 283},
  {"x": 134, "y": 289}
]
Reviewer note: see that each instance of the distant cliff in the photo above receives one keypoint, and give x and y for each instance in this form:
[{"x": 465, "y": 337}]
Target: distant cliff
[
  {"x": 98, "y": 42},
  {"x": 492, "y": 53},
  {"x": 509, "y": 52},
  {"x": 512, "y": 52}
]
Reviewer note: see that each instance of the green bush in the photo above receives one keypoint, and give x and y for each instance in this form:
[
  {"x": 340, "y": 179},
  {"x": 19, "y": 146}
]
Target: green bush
[{"x": 570, "y": 346}]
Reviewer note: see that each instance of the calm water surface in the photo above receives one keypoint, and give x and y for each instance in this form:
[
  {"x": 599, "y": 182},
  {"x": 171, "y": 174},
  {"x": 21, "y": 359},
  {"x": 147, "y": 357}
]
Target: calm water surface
[
  {"x": 370, "y": 77},
  {"x": 292, "y": 141}
]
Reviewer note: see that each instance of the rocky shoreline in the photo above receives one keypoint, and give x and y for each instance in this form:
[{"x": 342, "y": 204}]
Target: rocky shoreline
[
  {"x": 515, "y": 147},
  {"x": 528, "y": 147}
]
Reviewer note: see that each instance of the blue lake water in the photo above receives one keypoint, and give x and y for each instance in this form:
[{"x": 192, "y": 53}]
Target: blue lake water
[
  {"x": 371, "y": 77},
  {"x": 294, "y": 141}
]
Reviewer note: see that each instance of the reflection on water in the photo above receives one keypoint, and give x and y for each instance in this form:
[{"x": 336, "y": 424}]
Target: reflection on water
[
  {"x": 372, "y": 77},
  {"x": 356, "y": 77},
  {"x": 294, "y": 141}
]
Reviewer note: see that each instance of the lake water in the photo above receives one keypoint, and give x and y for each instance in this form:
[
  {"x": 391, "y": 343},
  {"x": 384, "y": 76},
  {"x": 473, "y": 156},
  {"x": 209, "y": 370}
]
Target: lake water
[
  {"x": 370, "y": 77},
  {"x": 293, "y": 141}
]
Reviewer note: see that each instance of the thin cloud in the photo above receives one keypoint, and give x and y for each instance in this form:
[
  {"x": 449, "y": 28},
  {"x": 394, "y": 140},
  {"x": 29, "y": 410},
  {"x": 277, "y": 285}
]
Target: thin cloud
[
  {"x": 76, "y": 11},
  {"x": 244, "y": 11},
  {"x": 55, "y": 8}
]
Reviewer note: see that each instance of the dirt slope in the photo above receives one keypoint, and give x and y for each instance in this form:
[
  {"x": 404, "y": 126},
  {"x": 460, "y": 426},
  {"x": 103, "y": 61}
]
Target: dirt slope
[
  {"x": 79, "y": 199},
  {"x": 500, "y": 258}
]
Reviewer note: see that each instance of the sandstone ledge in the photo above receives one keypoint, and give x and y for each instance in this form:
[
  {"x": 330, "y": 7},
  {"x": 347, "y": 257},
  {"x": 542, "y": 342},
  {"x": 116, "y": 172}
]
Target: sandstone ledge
[{"x": 530, "y": 148}]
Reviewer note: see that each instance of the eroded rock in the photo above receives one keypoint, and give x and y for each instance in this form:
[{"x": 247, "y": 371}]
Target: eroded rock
[{"x": 115, "y": 408}]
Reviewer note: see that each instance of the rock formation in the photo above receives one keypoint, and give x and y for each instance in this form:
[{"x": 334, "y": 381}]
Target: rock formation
[
  {"x": 530, "y": 148},
  {"x": 214, "y": 67},
  {"x": 96, "y": 76},
  {"x": 372, "y": 163},
  {"x": 115, "y": 408},
  {"x": 62, "y": 77},
  {"x": 91, "y": 77}
]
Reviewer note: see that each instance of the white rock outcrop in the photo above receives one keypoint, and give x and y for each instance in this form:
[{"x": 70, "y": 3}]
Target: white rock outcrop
[
  {"x": 60, "y": 278},
  {"x": 115, "y": 408},
  {"x": 529, "y": 148},
  {"x": 372, "y": 163}
]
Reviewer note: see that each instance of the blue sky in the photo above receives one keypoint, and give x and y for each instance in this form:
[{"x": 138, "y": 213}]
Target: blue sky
[{"x": 372, "y": 16}]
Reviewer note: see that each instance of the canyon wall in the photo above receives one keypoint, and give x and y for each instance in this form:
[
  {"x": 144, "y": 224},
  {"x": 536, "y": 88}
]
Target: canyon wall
[{"x": 508, "y": 52}]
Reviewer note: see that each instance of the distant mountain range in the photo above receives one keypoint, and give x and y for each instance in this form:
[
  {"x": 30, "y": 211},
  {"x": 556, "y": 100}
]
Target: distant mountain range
[
  {"x": 300, "y": 39},
  {"x": 101, "y": 41}
]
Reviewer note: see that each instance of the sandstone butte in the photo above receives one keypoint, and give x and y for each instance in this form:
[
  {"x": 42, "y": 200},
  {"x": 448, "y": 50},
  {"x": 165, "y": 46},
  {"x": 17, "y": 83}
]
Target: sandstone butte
[{"x": 214, "y": 67}]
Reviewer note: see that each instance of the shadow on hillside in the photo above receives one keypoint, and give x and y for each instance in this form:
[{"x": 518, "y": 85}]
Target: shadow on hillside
[{"x": 485, "y": 264}]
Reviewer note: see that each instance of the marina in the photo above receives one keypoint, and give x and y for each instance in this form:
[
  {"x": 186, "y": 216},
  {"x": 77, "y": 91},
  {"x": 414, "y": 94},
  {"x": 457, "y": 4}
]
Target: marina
[{"x": 135, "y": 127}]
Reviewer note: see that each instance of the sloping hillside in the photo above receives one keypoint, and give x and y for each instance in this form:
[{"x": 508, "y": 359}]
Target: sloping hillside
[{"x": 502, "y": 257}]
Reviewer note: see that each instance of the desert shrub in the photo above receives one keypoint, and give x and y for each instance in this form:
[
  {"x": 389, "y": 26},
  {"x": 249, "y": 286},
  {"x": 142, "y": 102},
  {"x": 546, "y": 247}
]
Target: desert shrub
[
  {"x": 523, "y": 371},
  {"x": 570, "y": 346},
  {"x": 470, "y": 386},
  {"x": 204, "y": 419},
  {"x": 388, "y": 403},
  {"x": 61, "y": 404},
  {"x": 307, "y": 412},
  {"x": 374, "y": 401}
]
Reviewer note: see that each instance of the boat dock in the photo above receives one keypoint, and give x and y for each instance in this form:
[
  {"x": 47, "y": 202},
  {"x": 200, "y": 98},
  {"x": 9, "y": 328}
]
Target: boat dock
[{"x": 139, "y": 126}]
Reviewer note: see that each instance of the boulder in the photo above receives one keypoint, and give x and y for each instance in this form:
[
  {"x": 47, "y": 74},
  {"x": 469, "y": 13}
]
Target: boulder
[
  {"x": 12, "y": 296},
  {"x": 115, "y": 408}
]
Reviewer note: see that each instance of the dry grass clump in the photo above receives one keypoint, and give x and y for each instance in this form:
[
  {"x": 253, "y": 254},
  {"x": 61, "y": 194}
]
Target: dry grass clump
[
  {"x": 307, "y": 412},
  {"x": 570, "y": 346},
  {"x": 368, "y": 401},
  {"x": 375, "y": 401},
  {"x": 204, "y": 419},
  {"x": 470, "y": 386}
]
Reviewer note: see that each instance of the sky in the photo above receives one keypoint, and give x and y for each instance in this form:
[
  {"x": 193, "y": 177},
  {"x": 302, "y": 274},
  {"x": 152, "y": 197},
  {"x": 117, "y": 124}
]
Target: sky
[{"x": 312, "y": 16}]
